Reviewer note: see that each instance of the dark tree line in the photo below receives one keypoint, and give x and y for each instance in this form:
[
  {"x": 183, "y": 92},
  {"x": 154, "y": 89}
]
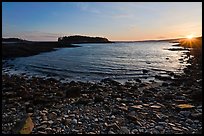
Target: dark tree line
[{"x": 82, "y": 39}]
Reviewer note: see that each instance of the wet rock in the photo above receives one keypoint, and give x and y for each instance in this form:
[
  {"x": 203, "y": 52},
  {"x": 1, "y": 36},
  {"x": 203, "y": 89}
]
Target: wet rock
[
  {"x": 67, "y": 121},
  {"x": 134, "y": 131},
  {"x": 74, "y": 121},
  {"x": 185, "y": 106},
  {"x": 111, "y": 132},
  {"x": 50, "y": 122},
  {"x": 176, "y": 129},
  {"x": 196, "y": 116},
  {"x": 144, "y": 71},
  {"x": 98, "y": 99},
  {"x": 189, "y": 121},
  {"x": 185, "y": 113},
  {"x": 164, "y": 78},
  {"x": 138, "y": 80},
  {"x": 113, "y": 117},
  {"x": 165, "y": 84},
  {"x": 29, "y": 110},
  {"x": 124, "y": 130},
  {"x": 196, "y": 96},
  {"x": 137, "y": 107},
  {"x": 110, "y": 81},
  {"x": 73, "y": 91},
  {"x": 156, "y": 106},
  {"x": 123, "y": 108},
  {"x": 83, "y": 101},
  {"x": 53, "y": 115},
  {"x": 44, "y": 118},
  {"x": 112, "y": 125},
  {"x": 93, "y": 87},
  {"x": 96, "y": 120},
  {"x": 160, "y": 128},
  {"x": 168, "y": 96},
  {"x": 42, "y": 132}
]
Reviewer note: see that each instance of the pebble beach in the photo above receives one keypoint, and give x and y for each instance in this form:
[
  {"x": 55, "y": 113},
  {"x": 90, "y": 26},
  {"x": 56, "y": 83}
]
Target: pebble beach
[{"x": 173, "y": 106}]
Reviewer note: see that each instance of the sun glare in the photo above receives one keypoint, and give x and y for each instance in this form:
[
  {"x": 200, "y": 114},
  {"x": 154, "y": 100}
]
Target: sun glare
[{"x": 190, "y": 36}]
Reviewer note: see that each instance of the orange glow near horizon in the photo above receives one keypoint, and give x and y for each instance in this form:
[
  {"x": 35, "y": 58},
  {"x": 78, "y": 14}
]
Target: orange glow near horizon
[{"x": 191, "y": 42}]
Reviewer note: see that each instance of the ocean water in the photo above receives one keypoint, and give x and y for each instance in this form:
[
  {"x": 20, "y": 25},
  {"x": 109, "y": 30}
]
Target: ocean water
[{"x": 120, "y": 61}]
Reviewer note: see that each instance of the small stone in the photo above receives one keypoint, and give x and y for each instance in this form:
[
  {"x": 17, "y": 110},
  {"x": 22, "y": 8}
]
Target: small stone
[
  {"x": 160, "y": 128},
  {"x": 66, "y": 116},
  {"x": 45, "y": 111},
  {"x": 67, "y": 121},
  {"x": 124, "y": 130},
  {"x": 96, "y": 120},
  {"x": 137, "y": 106},
  {"x": 80, "y": 123},
  {"x": 185, "y": 113},
  {"x": 42, "y": 132},
  {"x": 111, "y": 132},
  {"x": 53, "y": 115},
  {"x": 44, "y": 118},
  {"x": 123, "y": 108},
  {"x": 48, "y": 129},
  {"x": 42, "y": 127},
  {"x": 72, "y": 115},
  {"x": 134, "y": 131},
  {"x": 50, "y": 122},
  {"x": 59, "y": 119},
  {"x": 176, "y": 129},
  {"x": 155, "y": 106},
  {"x": 75, "y": 130},
  {"x": 74, "y": 121},
  {"x": 165, "y": 84},
  {"x": 189, "y": 121},
  {"x": 91, "y": 133},
  {"x": 185, "y": 106},
  {"x": 196, "y": 121},
  {"x": 13, "y": 109},
  {"x": 145, "y": 71},
  {"x": 196, "y": 115},
  {"x": 113, "y": 117},
  {"x": 162, "y": 123}
]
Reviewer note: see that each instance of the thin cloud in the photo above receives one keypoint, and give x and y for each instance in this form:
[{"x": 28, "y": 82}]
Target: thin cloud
[{"x": 35, "y": 35}]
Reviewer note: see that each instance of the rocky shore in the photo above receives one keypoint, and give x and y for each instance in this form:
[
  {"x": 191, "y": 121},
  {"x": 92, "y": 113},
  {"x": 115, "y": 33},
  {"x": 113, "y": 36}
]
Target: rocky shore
[
  {"x": 173, "y": 106},
  {"x": 28, "y": 48}
]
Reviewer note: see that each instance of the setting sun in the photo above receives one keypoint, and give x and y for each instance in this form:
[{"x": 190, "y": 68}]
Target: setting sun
[{"x": 190, "y": 36}]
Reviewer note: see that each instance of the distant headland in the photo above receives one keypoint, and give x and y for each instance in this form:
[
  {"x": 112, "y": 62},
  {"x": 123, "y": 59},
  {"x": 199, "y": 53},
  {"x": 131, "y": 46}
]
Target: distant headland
[
  {"x": 82, "y": 39},
  {"x": 16, "y": 47}
]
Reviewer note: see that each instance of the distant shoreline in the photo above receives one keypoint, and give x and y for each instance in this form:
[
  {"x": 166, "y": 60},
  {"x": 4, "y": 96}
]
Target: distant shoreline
[{"x": 25, "y": 49}]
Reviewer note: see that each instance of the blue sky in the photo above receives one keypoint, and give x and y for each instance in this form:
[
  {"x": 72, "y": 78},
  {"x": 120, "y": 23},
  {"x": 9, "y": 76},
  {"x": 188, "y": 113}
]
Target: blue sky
[{"x": 120, "y": 21}]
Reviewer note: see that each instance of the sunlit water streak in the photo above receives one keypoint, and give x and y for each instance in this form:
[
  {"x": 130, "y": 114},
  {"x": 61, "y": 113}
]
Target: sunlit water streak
[{"x": 93, "y": 62}]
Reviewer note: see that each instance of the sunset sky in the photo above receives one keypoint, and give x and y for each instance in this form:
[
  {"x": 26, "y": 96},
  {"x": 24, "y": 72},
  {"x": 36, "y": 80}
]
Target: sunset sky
[{"x": 117, "y": 21}]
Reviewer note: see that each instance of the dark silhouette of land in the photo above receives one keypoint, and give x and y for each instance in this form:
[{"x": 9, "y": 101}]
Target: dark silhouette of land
[
  {"x": 82, "y": 39},
  {"x": 15, "y": 47},
  {"x": 12, "y": 40},
  {"x": 24, "y": 49}
]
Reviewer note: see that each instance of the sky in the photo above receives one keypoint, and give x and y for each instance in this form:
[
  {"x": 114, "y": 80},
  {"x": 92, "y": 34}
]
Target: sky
[{"x": 117, "y": 21}]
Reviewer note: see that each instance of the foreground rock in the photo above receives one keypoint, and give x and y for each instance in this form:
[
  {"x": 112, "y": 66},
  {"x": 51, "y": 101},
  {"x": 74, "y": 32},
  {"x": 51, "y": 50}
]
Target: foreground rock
[{"x": 103, "y": 108}]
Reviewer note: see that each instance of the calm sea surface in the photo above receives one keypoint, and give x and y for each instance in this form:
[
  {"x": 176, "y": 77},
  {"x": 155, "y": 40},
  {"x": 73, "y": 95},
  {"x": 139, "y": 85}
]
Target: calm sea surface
[{"x": 93, "y": 62}]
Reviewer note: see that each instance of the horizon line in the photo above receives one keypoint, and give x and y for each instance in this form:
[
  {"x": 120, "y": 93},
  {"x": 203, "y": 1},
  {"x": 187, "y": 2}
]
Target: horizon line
[{"x": 109, "y": 40}]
